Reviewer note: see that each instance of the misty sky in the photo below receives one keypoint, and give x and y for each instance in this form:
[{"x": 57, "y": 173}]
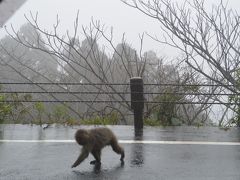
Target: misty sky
[{"x": 111, "y": 13}]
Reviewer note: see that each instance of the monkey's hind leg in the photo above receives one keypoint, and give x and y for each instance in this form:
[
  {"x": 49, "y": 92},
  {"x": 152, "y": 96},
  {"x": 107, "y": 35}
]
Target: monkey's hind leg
[
  {"x": 117, "y": 148},
  {"x": 97, "y": 155}
]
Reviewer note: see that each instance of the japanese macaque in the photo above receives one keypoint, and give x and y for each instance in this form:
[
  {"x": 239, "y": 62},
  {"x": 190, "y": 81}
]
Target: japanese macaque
[{"x": 93, "y": 141}]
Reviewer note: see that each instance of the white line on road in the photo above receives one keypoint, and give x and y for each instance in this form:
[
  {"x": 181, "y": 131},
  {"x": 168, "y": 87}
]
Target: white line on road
[
  {"x": 131, "y": 142},
  {"x": 181, "y": 142}
]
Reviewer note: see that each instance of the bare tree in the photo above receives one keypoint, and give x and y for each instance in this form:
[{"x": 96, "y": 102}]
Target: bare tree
[
  {"x": 85, "y": 62},
  {"x": 207, "y": 37}
]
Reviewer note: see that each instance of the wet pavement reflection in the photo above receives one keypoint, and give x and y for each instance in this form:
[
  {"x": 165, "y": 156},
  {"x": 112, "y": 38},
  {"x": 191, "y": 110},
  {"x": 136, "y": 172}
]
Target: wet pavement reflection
[
  {"x": 182, "y": 133},
  {"x": 99, "y": 172},
  {"x": 52, "y": 160},
  {"x": 137, "y": 152}
]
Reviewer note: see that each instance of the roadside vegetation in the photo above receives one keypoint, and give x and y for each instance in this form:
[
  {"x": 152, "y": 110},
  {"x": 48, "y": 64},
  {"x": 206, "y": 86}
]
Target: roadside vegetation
[{"x": 208, "y": 48}]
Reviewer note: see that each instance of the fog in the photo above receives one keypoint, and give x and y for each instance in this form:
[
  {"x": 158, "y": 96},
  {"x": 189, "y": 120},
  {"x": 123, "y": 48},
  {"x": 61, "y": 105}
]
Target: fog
[{"x": 81, "y": 56}]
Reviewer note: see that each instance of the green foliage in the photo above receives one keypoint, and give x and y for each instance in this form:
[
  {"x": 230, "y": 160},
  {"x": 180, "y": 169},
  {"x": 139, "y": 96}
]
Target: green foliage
[
  {"x": 110, "y": 119},
  {"x": 19, "y": 109},
  {"x": 39, "y": 106},
  {"x": 166, "y": 111},
  {"x": 5, "y": 109},
  {"x": 151, "y": 122},
  {"x": 193, "y": 88},
  {"x": 60, "y": 113},
  {"x": 72, "y": 121},
  {"x": 236, "y": 99},
  {"x": 16, "y": 110}
]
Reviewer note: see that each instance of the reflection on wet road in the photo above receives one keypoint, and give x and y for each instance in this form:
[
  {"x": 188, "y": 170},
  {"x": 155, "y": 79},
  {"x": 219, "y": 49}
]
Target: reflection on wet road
[
  {"x": 52, "y": 160},
  {"x": 137, "y": 152}
]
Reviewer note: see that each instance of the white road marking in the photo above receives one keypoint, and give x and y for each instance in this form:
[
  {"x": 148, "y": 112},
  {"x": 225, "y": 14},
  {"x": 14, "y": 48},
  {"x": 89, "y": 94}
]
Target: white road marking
[
  {"x": 181, "y": 142},
  {"x": 131, "y": 142},
  {"x": 36, "y": 141}
]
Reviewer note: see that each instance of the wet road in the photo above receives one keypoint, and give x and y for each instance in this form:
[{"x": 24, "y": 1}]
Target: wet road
[{"x": 153, "y": 158}]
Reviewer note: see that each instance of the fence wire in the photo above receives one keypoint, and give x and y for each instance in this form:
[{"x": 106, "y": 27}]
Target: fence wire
[
  {"x": 112, "y": 84},
  {"x": 114, "y": 92},
  {"x": 115, "y": 101},
  {"x": 119, "y": 92}
]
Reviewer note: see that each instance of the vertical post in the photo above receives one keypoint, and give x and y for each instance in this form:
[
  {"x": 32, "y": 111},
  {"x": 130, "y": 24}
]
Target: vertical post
[{"x": 137, "y": 102}]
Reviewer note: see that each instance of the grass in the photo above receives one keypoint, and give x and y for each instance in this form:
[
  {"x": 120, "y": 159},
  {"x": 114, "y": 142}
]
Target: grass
[
  {"x": 100, "y": 121},
  {"x": 151, "y": 122}
]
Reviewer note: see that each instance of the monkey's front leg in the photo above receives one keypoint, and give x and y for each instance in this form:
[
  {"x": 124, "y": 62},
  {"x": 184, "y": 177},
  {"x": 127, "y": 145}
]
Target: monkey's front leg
[
  {"x": 97, "y": 155},
  {"x": 84, "y": 154}
]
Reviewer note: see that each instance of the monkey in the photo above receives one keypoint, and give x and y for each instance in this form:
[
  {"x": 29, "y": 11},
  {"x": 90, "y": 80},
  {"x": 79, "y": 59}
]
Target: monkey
[{"x": 93, "y": 141}]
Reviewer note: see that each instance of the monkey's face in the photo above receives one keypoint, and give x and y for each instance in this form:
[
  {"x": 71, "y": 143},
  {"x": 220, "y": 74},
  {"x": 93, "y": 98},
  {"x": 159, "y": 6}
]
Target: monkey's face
[{"x": 83, "y": 137}]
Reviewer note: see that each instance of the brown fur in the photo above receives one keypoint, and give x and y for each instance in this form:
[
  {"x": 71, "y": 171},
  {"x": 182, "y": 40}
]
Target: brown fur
[{"x": 93, "y": 141}]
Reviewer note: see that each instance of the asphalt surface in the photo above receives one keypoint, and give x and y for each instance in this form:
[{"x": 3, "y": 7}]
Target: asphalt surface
[{"x": 153, "y": 158}]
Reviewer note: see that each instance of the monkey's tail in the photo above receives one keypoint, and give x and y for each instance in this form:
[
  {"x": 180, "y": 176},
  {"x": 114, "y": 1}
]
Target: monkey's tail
[{"x": 117, "y": 148}]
